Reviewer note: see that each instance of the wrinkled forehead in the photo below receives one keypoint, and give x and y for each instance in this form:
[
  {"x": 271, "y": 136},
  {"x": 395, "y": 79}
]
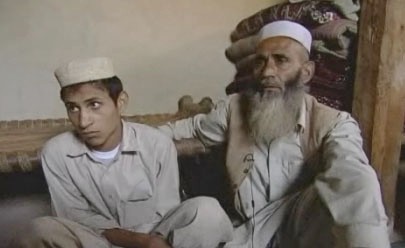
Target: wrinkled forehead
[{"x": 281, "y": 44}]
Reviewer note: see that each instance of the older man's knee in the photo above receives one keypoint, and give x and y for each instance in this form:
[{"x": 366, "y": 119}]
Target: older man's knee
[
  {"x": 211, "y": 214},
  {"x": 369, "y": 182},
  {"x": 34, "y": 233},
  {"x": 210, "y": 224},
  {"x": 42, "y": 227},
  {"x": 207, "y": 206}
]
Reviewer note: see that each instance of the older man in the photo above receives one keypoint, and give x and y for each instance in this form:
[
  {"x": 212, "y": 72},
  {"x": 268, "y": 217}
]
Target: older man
[
  {"x": 115, "y": 183},
  {"x": 299, "y": 175}
]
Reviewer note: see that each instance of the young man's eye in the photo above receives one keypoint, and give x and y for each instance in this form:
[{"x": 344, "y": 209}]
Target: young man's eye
[
  {"x": 95, "y": 105},
  {"x": 72, "y": 109}
]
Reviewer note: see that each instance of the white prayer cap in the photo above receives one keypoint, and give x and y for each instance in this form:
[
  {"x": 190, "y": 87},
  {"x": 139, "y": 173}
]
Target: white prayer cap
[
  {"x": 84, "y": 70},
  {"x": 289, "y": 29}
]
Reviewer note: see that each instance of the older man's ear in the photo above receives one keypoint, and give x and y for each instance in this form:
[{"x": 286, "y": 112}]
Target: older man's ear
[{"x": 307, "y": 71}]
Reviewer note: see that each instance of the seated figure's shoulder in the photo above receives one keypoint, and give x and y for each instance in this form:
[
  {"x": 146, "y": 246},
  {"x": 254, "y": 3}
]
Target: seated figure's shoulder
[
  {"x": 327, "y": 119},
  {"x": 232, "y": 98},
  {"x": 223, "y": 104},
  {"x": 148, "y": 134},
  {"x": 59, "y": 142},
  {"x": 326, "y": 111},
  {"x": 343, "y": 115}
]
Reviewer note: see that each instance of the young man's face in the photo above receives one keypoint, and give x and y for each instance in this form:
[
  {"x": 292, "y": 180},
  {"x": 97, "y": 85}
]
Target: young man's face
[{"x": 95, "y": 116}]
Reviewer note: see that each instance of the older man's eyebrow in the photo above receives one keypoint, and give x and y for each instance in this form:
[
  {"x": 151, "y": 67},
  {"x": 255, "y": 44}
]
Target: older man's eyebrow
[
  {"x": 279, "y": 56},
  {"x": 262, "y": 56}
]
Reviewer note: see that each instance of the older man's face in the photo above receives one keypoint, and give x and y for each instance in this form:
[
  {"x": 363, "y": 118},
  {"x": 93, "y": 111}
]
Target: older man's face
[
  {"x": 279, "y": 65},
  {"x": 272, "y": 106}
]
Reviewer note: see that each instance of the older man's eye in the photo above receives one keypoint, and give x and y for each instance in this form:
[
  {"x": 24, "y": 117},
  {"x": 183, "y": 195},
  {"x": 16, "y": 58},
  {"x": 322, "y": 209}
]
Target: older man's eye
[
  {"x": 280, "y": 59},
  {"x": 259, "y": 63}
]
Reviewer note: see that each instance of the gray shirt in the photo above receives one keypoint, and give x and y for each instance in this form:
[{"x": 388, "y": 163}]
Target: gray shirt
[
  {"x": 134, "y": 191},
  {"x": 278, "y": 165},
  {"x": 271, "y": 174}
]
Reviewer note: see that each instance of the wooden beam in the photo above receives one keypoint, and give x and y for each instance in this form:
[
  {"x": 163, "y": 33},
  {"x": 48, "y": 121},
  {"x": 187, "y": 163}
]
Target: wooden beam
[{"x": 379, "y": 90}]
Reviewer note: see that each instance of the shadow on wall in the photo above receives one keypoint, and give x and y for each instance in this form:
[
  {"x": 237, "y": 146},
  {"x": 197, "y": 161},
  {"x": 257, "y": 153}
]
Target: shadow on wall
[{"x": 197, "y": 85}]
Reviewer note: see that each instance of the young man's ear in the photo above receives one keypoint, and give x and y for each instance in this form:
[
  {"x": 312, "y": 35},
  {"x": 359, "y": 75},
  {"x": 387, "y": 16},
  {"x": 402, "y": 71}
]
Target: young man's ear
[
  {"x": 307, "y": 71},
  {"x": 122, "y": 101}
]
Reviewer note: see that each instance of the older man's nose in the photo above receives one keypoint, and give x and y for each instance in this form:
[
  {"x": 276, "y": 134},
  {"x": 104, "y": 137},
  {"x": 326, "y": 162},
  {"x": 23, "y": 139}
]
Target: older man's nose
[{"x": 270, "y": 69}]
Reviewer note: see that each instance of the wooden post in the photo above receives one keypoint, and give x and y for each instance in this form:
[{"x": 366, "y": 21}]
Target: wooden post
[{"x": 379, "y": 90}]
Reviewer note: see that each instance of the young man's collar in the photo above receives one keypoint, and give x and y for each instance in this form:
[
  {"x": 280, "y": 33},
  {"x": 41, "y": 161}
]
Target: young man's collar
[{"x": 129, "y": 143}]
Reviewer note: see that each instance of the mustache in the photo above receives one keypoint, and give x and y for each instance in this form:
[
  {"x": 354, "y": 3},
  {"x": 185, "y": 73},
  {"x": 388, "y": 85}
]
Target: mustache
[
  {"x": 259, "y": 84},
  {"x": 267, "y": 82}
]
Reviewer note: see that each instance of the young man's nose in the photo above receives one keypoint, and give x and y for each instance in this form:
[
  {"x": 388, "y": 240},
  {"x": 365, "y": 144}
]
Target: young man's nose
[{"x": 85, "y": 119}]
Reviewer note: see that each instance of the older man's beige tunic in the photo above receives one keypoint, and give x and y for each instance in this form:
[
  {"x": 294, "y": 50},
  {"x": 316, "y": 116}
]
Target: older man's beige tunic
[{"x": 263, "y": 197}]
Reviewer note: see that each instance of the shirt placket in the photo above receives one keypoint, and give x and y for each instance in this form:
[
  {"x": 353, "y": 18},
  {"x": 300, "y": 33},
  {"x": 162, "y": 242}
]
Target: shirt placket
[
  {"x": 109, "y": 192},
  {"x": 268, "y": 159}
]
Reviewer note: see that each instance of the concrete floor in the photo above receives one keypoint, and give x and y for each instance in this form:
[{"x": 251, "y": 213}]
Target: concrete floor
[
  {"x": 14, "y": 213},
  {"x": 400, "y": 203}
]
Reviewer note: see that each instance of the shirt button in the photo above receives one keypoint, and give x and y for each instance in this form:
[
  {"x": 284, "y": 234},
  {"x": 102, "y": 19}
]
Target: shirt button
[{"x": 246, "y": 170}]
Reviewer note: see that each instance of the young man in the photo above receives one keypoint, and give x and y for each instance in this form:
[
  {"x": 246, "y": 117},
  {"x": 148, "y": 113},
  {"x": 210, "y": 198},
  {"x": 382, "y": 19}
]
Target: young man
[
  {"x": 114, "y": 183},
  {"x": 297, "y": 169}
]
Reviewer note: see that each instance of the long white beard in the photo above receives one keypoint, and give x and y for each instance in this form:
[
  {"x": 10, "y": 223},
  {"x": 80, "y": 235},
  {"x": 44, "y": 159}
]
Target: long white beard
[{"x": 272, "y": 115}]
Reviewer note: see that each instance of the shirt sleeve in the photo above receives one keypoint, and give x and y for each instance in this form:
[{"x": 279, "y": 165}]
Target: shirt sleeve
[
  {"x": 67, "y": 201},
  {"x": 209, "y": 128},
  {"x": 349, "y": 187},
  {"x": 167, "y": 177}
]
